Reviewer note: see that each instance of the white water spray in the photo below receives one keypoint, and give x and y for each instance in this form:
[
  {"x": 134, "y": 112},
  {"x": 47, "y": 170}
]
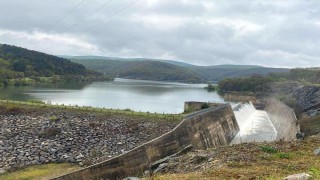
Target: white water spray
[{"x": 255, "y": 125}]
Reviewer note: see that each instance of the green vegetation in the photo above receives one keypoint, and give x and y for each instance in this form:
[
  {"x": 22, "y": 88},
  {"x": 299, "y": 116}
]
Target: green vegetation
[
  {"x": 46, "y": 171},
  {"x": 257, "y": 83},
  {"x": 35, "y": 101},
  {"x": 53, "y": 118},
  {"x": 302, "y": 75},
  {"x": 14, "y": 106},
  {"x": 205, "y": 106},
  {"x": 138, "y": 68},
  {"x": 19, "y": 66},
  {"x": 252, "y": 84},
  {"x": 221, "y": 72},
  {"x": 210, "y": 87},
  {"x": 144, "y": 70},
  {"x": 268, "y": 149}
]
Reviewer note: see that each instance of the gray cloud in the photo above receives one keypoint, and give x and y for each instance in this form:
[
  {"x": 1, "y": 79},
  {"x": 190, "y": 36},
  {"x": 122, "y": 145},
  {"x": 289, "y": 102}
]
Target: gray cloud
[{"x": 205, "y": 32}]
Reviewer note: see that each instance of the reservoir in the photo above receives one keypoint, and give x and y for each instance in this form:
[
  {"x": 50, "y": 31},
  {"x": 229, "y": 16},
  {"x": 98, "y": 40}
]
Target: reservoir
[{"x": 137, "y": 95}]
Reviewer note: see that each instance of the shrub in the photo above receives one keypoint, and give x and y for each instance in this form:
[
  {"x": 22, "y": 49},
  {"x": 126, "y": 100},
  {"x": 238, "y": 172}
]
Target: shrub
[
  {"x": 282, "y": 155},
  {"x": 54, "y": 118},
  {"x": 210, "y": 88},
  {"x": 268, "y": 149},
  {"x": 205, "y": 106}
]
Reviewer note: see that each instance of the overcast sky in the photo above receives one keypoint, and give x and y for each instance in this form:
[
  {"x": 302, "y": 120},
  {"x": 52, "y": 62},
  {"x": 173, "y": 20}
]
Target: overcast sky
[{"x": 279, "y": 33}]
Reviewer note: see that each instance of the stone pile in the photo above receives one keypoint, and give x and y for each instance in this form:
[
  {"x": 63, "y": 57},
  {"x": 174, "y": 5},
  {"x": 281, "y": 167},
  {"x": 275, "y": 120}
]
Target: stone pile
[{"x": 85, "y": 140}]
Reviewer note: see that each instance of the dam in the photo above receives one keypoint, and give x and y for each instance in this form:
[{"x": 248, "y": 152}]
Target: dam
[{"x": 218, "y": 125}]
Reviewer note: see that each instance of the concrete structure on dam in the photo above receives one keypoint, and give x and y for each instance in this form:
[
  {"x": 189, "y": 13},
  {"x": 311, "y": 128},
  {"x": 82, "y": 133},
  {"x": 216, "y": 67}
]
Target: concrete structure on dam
[
  {"x": 204, "y": 129},
  {"x": 283, "y": 118}
]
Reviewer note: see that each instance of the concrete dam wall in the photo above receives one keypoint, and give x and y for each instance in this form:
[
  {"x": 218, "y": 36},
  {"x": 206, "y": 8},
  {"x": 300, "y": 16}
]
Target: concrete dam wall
[
  {"x": 204, "y": 129},
  {"x": 283, "y": 119}
]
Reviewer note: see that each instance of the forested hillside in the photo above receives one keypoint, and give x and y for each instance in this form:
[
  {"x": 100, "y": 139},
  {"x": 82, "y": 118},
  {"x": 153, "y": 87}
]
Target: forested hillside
[
  {"x": 220, "y": 72},
  {"x": 143, "y": 69},
  {"x": 22, "y": 66},
  {"x": 154, "y": 70},
  {"x": 120, "y": 67},
  {"x": 256, "y": 83}
]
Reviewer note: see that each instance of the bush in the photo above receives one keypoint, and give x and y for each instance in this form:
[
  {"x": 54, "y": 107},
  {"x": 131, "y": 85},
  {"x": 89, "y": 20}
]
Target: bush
[
  {"x": 205, "y": 106},
  {"x": 268, "y": 149},
  {"x": 210, "y": 88},
  {"x": 252, "y": 84},
  {"x": 54, "y": 118},
  {"x": 282, "y": 155}
]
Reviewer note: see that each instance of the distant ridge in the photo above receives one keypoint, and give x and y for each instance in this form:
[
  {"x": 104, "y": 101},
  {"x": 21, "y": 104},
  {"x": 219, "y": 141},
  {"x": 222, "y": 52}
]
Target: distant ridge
[
  {"x": 178, "y": 63},
  {"x": 143, "y": 70},
  {"x": 117, "y": 66}
]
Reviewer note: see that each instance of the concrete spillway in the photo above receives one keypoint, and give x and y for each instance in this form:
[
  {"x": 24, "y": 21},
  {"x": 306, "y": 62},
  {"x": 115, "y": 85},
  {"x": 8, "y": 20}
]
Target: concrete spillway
[{"x": 255, "y": 125}]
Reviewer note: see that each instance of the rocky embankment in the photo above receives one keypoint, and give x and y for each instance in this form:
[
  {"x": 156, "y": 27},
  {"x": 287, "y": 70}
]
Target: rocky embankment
[
  {"x": 29, "y": 137},
  {"x": 308, "y": 99},
  {"x": 303, "y": 98}
]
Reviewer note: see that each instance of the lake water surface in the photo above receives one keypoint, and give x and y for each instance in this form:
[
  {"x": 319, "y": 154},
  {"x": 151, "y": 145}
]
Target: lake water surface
[{"x": 152, "y": 96}]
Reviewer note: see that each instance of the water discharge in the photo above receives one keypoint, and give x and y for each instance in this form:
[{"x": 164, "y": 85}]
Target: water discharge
[{"x": 255, "y": 125}]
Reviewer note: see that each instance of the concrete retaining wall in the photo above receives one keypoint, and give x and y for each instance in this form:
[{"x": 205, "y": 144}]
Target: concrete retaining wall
[
  {"x": 283, "y": 118},
  {"x": 204, "y": 129}
]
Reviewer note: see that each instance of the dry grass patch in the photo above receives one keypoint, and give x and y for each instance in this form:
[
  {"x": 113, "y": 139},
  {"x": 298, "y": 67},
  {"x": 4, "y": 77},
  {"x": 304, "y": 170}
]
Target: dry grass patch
[
  {"x": 255, "y": 161},
  {"x": 40, "y": 172}
]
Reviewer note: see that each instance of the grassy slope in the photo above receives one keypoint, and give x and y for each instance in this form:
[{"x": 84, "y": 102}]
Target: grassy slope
[
  {"x": 250, "y": 161},
  {"x": 272, "y": 161},
  {"x": 40, "y": 172}
]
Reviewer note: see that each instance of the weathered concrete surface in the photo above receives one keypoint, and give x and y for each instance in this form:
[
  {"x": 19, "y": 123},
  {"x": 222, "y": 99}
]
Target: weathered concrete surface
[
  {"x": 205, "y": 129},
  {"x": 283, "y": 118},
  {"x": 255, "y": 125}
]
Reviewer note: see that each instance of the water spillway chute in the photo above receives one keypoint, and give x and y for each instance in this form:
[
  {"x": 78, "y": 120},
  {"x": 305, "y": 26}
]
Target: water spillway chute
[{"x": 255, "y": 125}]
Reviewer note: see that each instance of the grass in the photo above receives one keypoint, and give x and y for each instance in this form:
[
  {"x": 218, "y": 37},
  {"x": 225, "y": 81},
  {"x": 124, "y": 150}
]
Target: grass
[
  {"x": 35, "y": 101},
  {"x": 129, "y": 112},
  {"x": 40, "y": 172},
  {"x": 268, "y": 149}
]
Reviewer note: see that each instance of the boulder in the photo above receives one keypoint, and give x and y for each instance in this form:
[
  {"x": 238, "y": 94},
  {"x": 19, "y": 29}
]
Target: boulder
[
  {"x": 131, "y": 178},
  {"x": 302, "y": 176},
  {"x": 2, "y": 171},
  {"x": 317, "y": 152},
  {"x": 161, "y": 168}
]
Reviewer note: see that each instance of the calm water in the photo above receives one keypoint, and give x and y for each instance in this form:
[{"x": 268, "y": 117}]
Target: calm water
[{"x": 152, "y": 96}]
